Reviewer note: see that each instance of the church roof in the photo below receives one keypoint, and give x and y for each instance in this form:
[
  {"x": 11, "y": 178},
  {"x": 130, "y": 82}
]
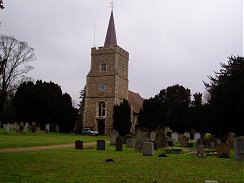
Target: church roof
[
  {"x": 135, "y": 101},
  {"x": 111, "y": 39}
]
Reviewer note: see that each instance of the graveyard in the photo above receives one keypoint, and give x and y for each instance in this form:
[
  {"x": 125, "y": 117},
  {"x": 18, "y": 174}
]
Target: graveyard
[{"x": 119, "y": 162}]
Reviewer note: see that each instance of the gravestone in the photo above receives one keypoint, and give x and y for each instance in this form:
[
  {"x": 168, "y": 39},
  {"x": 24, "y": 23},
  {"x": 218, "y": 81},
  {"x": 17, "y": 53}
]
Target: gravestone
[
  {"x": 78, "y": 144},
  {"x": 113, "y": 135},
  {"x": 197, "y": 136},
  {"x": 231, "y": 141},
  {"x": 187, "y": 134},
  {"x": 130, "y": 143},
  {"x": 160, "y": 139},
  {"x": 25, "y": 130},
  {"x": 21, "y": 127},
  {"x": 155, "y": 145},
  {"x": 212, "y": 145},
  {"x": 183, "y": 141},
  {"x": 174, "y": 135},
  {"x": 138, "y": 145},
  {"x": 200, "y": 150},
  {"x": 47, "y": 128},
  {"x": 223, "y": 150},
  {"x": 239, "y": 148},
  {"x": 57, "y": 129},
  {"x": 7, "y": 128},
  {"x": 17, "y": 127},
  {"x": 33, "y": 127},
  {"x": 171, "y": 142},
  {"x": 119, "y": 143},
  {"x": 152, "y": 136},
  {"x": 148, "y": 149},
  {"x": 100, "y": 144}
]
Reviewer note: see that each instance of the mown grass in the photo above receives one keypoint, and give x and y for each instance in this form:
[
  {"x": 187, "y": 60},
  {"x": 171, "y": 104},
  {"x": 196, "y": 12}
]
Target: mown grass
[
  {"x": 40, "y": 138},
  {"x": 88, "y": 165}
]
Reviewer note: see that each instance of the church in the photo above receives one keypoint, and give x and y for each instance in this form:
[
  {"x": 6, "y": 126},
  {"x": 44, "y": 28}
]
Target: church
[{"x": 107, "y": 84}]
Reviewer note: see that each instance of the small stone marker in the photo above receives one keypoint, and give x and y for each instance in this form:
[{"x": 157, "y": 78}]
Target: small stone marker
[
  {"x": 119, "y": 143},
  {"x": 100, "y": 144},
  {"x": 200, "y": 150},
  {"x": 78, "y": 144},
  {"x": 130, "y": 143},
  {"x": 223, "y": 150},
  {"x": 113, "y": 136},
  {"x": 239, "y": 148},
  {"x": 148, "y": 149}
]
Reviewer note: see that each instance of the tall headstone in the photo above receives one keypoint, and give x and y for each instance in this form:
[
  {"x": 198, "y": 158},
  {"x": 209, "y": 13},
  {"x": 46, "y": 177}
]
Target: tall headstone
[
  {"x": 239, "y": 148},
  {"x": 148, "y": 149},
  {"x": 130, "y": 143},
  {"x": 223, "y": 150},
  {"x": 152, "y": 136},
  {"x": 47, "y": 128},
  {"x": 113, "y": 135},
  {"x": 78, "y": 144},
  {"x": 174, "y": 135},
  {"x": 160, "y": 139},
  {"x": 197, "y": 136},
  {"x": 119, "y": 143},
  {"x": 7, "y": 128},
  {"x": 100, "y": 144}
]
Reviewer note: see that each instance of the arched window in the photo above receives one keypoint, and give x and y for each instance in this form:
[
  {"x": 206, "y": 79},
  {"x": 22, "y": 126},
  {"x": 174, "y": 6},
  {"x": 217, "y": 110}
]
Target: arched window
[
  {"x": 103, "y": 67},
  {"x": 101, "y": 109}
]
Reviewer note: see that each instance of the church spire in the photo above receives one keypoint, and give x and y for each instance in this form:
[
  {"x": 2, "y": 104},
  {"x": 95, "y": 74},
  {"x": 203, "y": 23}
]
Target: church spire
[{"x": 111, "y": 39}]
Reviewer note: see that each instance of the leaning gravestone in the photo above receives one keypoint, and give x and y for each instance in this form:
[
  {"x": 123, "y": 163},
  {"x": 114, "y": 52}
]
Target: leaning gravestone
[
  {"x": 200, "y": 150},
  {"x": 78, "y": 144},
  {"x": 223, "y": 150},
  {"x": 160, "y": 139},
  {"x": 7, "y": 129},
  {"x": 113, "y": 135},
  {"x": 239, "y": 148},
  {"x": 119, "y": 143},
  {"x": 100, "y": 144},
  {"x": 148, "y": 149},
  {"x": 130, "y": 143},
  {"x": 152, "y": 136}
]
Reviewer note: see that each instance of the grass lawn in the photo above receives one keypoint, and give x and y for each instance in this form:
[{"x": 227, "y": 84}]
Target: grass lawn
[
  {"x": 88, "y": 165},
  {"x": 40, "y": 138}
]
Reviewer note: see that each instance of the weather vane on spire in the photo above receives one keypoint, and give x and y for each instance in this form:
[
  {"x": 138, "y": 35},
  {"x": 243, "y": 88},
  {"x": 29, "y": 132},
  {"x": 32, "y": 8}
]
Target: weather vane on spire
[{"x": 112, "y": 5}]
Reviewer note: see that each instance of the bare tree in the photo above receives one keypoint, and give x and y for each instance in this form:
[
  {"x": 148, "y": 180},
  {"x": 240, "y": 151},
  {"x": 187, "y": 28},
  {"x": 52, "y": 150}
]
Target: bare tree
[{"x": 15, "y": 54}]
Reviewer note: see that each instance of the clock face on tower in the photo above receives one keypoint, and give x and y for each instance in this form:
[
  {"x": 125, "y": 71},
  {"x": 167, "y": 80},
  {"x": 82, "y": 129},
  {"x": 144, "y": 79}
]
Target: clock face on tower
[{"x": 102, "y": 87}]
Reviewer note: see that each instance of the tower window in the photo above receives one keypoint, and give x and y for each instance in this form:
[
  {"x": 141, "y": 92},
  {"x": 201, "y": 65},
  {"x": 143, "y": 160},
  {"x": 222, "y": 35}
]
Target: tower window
[
  {"x": 103, "y": 67},
  {"x": 101, "y": 109}
]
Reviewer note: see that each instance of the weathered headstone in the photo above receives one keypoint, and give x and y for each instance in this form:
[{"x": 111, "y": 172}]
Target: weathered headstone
[
  {"x": 7, "y": 128},
  {"x": 148, "y": 149},
  {"x": 17, "y": 127},
  {"x": 200, "y": 150},
  {"x": 230, "y": 141},
  {"x": 57, "y": 129},
  {"x": 33, "y": 127},
  {"x": 223, "y": 150},
  {"x": 187, "y": 134},
  {"x": 239, "y": 148},
  {"x": 100, "y": 144},
  {"x": 171, "y": 142},
  {"x": 130, "y": 143},
  {"x": 119, "y": 143},
  {"x": 47, "y": 128},
  {"x": 152, "y": 136},
  {"x": 160, "y": 139},
  {"x": 25, "y": 130},
  {"x": 138, "y": 145},
  {"x": 113, "y": 135},
  {"x": 197, "y": 136},
  {"x": 174, "y": 135},
  {"x": 183, "y": 141},
  {"x": 78, "y": 144}
]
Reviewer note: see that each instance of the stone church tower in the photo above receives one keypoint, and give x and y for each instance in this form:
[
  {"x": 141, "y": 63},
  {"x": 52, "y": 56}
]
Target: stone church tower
[{"x": 106, "y": 82}]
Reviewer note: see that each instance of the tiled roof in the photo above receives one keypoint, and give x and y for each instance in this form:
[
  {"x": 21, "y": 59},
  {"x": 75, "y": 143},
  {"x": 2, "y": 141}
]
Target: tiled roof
[
  {"x": 111, "y": 39},
  {"x": 135, "y": 101}
]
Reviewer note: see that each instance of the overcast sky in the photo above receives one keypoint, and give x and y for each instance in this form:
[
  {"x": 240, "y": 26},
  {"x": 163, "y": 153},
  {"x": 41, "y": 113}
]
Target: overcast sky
[{"x": 169, "y": 41}]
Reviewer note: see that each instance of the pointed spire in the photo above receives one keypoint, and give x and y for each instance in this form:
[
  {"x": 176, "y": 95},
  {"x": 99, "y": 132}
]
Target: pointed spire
[{"x": 111, "y": 39}]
